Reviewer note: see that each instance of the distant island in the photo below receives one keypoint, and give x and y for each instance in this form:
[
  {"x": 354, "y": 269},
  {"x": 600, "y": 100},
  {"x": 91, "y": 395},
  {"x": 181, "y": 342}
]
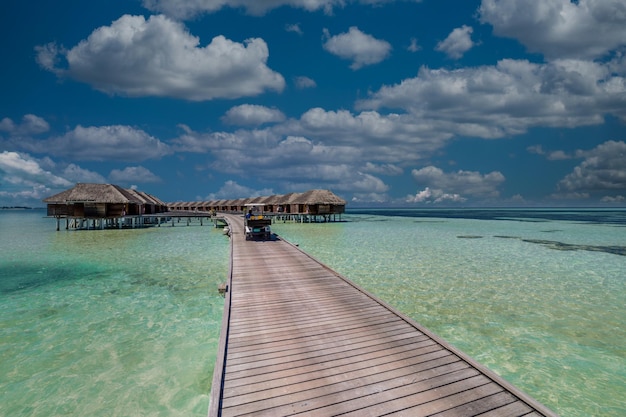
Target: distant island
[{"x": 15, "y": 208}]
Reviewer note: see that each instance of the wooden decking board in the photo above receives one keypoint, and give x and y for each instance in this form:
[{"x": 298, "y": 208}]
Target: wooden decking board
[
  {"x": 513, "y": 409},
  {"x": 275, "y": 319},
  {"x": 378, "y": 358},
  {"x": 264, "y": 374},
  {"x": 376, "y": 332},
  {"x": 348, "y": 394},
  {"x": 258, "y": 338},
  {"x": 359, "y": 353},
  {"x": 483, "y": 405},
  {"x": 366, "y": 340},
  {"x": 346, "y": 366},
  {"x": 340, "y": 383},
  {"x": 298, "y": 375},
  {"x": 405, "y": 401},
  {"x": 304, "y": 326},
  {"x": 296, "y": 301},
  {"x": 363, "y": 387},
  {"x": 300, "y": 339}
]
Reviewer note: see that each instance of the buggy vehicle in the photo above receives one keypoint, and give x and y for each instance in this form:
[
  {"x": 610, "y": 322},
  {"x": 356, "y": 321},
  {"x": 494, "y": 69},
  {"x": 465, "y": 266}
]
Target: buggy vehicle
[{"x": 258, "y": 227}]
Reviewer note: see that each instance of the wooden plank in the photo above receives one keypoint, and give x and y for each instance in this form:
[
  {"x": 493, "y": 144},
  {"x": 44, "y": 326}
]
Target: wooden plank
[{"x": 302, "y": 340}]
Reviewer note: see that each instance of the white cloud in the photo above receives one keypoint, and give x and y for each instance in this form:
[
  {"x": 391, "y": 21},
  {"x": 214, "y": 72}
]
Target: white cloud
[
  {"x": 188, "y": 9},
  {"x": 159, "y": 57},
  {"x": 470, "y": 183},
  {"x": 17, "y": 168},
  {"x": 385, "y": 169},
  {"x": 551, "y": 156},
  {"x": 329, "y": 145},
  {"x": 362, "y": 49},
  {"x": 295, "y": 28},
  {"x": 31, "y": 125},
  {"x": 603, "y": 169},
  {"x": 457, "y": 43},
  {"x": 231, "y": 190},
  {"x": 509, "y": 98},
  {"x": 24, "y": 181},
  {"x": 583, "y": 29},
  {"x": 252, "y": 115},
  {"x": 369, "y": 183},
  {"x": 116, "y": 142},
  {"x": 613, "y": 199},
  {"x": 303, "y": 82},
  {"x": 105, "y": 143},
  {"x": 402, "y": 136},
  {"x": 76, "y": 174},
  {"x": 136, "y": 174},
  {"x": 414, "y": 46},
  {"x": 434, "y": 196}
]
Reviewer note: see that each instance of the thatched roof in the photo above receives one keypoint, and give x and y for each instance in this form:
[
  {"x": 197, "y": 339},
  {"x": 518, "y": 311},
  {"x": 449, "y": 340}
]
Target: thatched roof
[
  {"x": 95, "y": 193},
  {"x": 318, "y": 197},
  {"x": 287, "y": 198},
  {"x": 273, "y": 199},
  {"x": 310, "y": 197}
]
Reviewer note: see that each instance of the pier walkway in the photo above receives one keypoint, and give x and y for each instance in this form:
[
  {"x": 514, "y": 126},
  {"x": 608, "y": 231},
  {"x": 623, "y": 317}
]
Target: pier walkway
[{"x": 299, "y": 339}]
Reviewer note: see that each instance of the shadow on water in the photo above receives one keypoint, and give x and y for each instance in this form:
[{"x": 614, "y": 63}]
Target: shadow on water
[
  {"x": 24, "y": 277},
  {"x": 556, "y": 245}
]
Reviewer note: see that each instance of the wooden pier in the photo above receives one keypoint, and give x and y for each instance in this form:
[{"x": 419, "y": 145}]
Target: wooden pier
[{"x": 299, "y": 339}]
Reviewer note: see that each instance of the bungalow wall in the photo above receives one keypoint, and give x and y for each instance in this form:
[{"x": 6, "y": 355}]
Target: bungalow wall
[
  {"x": 58, "y": 210},
  {"x": 116, "y": 210},
  {"x": 95, "y": 210}
]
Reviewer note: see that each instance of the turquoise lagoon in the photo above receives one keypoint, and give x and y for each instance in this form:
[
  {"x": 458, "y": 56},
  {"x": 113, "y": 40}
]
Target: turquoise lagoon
[{"x": 126, "y": 322}]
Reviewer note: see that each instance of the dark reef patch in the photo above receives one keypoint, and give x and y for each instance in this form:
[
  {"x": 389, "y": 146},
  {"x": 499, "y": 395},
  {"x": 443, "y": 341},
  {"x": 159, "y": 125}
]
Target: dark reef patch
[{"x": 614, "y": 250}]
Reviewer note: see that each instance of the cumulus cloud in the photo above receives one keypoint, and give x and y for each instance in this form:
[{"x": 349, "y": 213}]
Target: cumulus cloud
[
  {"x": 31, "y": 125},
  {"x": 584, "y": 29},
  {"x": 303, "y": 82},
  {"x": 362, "y": 49},
  {"x": 558, "y": 155},
  {"x": 295, "y": 28},
  {"x": 615, "y": 199},
  {"x": 289, "y": 160},
  {"x": 400, "y": 135},
  {"x": 18, "y": 168},
  {"x": 326, "y": 145},
  {"x": 434, "y": 196},
  {"x": 603, "y": 170},
  {"x": 159, "y": 57},
  {"x": 385, "y": 169},
  {"x": 187, "y": 9},
  {"x": 231, "y": 190},
  {"x": 104, "y": 143},
  {"x": 137, "y": 174},
  {"x": 75, "y": 174},
  {"x": 508, "y": 98},
  {"x": 414, "y": 46},
  {"x": 457, "y": 43},
  {"x": 116, "y": 142},
  {"x": 24, "y": 180},
  {"x": 252, "y": 115},
  {"x": 469, "y": 183}
]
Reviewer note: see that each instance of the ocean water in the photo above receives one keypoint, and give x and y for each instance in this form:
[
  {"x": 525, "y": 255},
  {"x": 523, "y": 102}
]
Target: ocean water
[
  {"x": 108, "y": 323},
  {"x": 126, "y": 322},
  {"x": 537, "y": 296}
]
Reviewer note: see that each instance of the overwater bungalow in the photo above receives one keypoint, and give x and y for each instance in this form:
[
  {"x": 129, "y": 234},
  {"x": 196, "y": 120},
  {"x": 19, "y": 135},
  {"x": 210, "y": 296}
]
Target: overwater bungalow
[
  {"x": 310, "y": 206},
  {"x": 101, "y": 205}
]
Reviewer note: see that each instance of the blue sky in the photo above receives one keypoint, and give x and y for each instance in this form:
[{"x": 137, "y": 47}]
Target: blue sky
[{"x": 395, "y": 102}]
